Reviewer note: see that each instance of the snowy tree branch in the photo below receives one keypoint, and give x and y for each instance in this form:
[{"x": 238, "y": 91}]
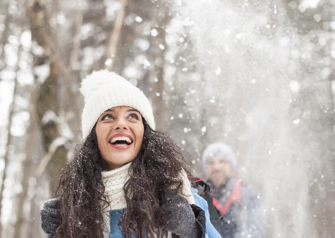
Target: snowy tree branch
[
  {"x": 58, "y": 142},
  {"x": 115, "y": 34}
]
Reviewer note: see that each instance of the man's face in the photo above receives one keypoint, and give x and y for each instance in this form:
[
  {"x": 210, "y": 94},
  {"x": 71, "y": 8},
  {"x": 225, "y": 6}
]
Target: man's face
[{"x": 218, "y": 170}]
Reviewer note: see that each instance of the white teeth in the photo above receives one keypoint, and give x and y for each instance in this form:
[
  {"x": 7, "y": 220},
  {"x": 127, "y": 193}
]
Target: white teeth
[{"x": 121, "y": 138}]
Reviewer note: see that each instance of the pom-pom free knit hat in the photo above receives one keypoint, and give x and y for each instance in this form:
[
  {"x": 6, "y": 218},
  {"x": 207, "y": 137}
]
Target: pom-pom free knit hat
[
  {"x": 222, "y": 150},
  {"x": 103, "y": 90}
]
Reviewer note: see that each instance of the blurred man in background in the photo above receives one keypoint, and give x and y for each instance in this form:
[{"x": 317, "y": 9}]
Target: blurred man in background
[{"x": 239, "y": 206}]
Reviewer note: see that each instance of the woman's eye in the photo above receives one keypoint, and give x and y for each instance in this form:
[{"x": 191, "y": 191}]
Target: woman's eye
[
  {"x": 107, "y": 117},
  {"x": 133, "y": 116}
]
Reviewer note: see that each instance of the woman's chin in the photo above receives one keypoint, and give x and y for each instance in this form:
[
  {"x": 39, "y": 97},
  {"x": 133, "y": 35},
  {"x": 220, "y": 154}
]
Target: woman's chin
[{"x": 112, "y": 164}]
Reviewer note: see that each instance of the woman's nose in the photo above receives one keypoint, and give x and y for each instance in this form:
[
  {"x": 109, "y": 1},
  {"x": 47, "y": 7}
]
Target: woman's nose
[{"x": 121, "y": 124}]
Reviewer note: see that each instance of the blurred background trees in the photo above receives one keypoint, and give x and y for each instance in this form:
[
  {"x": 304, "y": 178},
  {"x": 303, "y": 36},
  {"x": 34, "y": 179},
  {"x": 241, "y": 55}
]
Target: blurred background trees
[{"x": 258, "y": 75}]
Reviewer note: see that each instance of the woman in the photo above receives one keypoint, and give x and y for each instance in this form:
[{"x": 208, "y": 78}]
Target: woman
[{"x": 126, "y": 180}]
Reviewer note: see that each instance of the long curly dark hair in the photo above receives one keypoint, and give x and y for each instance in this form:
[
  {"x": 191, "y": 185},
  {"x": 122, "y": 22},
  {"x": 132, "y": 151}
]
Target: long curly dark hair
[{"x": 153, "y": 173}]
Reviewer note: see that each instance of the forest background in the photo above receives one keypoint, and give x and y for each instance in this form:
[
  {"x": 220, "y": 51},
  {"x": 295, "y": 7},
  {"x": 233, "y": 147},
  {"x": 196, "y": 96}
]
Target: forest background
[{"x": 257, "y": 75}]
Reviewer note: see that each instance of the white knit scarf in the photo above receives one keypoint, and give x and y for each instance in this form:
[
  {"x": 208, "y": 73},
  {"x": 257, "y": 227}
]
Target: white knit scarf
[{"x": 114, "y": 181}]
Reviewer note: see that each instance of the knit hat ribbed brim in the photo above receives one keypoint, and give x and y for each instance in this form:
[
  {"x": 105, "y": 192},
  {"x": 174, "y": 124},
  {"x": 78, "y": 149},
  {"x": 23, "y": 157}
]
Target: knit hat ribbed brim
[{"x": 103, "y": 90}]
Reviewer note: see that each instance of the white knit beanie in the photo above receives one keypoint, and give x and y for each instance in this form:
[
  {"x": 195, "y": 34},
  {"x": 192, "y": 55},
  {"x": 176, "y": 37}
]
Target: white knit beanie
[{"x": 103, "y": 90}]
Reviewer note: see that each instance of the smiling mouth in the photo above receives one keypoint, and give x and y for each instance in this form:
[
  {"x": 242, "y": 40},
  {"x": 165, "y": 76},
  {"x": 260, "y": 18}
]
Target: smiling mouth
[{"x": 121, "y": 140}]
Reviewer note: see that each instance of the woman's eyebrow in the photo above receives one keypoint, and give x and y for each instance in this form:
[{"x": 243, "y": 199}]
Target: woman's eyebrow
[
  {"x": 133, "y": 110},
  {"x": 109, "y": 110}
]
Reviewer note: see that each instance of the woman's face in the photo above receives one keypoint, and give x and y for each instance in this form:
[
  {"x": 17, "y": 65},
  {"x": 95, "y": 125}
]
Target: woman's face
[{"x": 120, "y": 134}]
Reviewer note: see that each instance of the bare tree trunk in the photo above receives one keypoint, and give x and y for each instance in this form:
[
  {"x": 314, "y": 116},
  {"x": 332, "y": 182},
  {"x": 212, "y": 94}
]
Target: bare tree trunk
[
  {"x": 158, "y": 49},
  {"x": 47, "y": 101},
  {"x": 124, "y": 50},
  {"x": 48, "y": 95},
  {"x": 4, "y": 38},
  {"x": 9, "y": 137},
  {"x": 115, "y": 34},
  {"x": 26, "y": 166},
  {"x": 77, "y": 40},
  {"x": 40, "y": 30}
]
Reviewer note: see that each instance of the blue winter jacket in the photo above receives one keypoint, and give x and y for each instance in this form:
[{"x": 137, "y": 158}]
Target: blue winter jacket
[{"x": 211, "y": 232}]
